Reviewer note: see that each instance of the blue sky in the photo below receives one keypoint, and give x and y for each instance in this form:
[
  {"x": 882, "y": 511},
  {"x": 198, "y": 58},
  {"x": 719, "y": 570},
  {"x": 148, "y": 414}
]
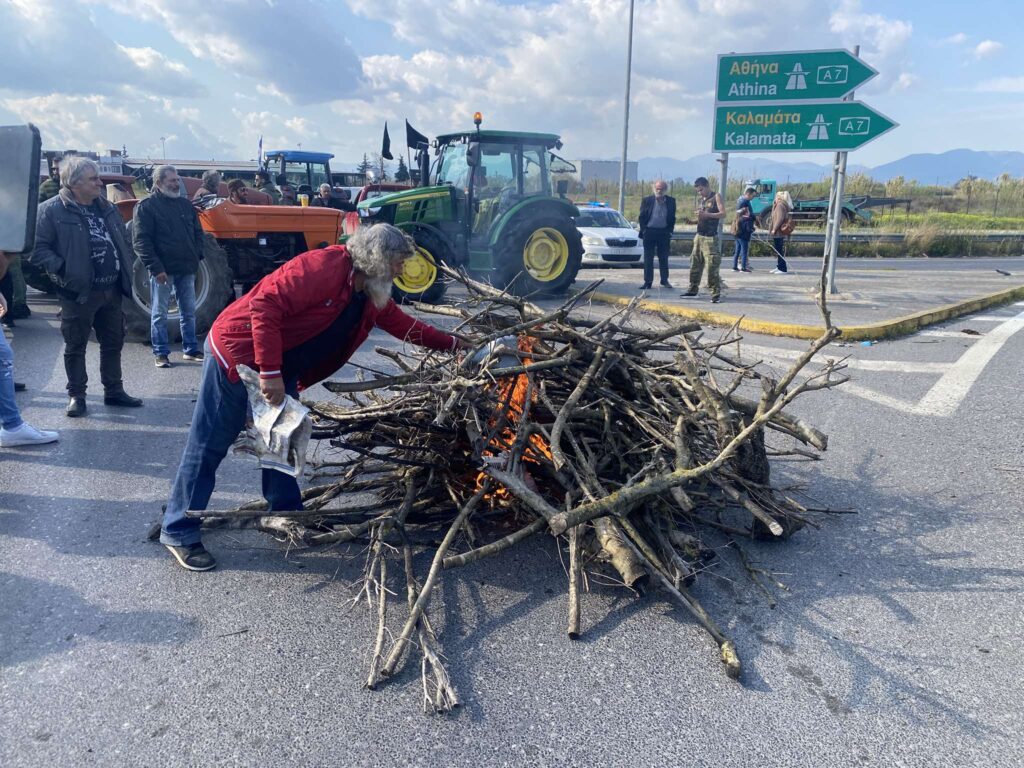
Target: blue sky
[{"x": 211, "y": 76}]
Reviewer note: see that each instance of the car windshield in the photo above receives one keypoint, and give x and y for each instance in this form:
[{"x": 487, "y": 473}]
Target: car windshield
[{"x": 601, "y": 217}]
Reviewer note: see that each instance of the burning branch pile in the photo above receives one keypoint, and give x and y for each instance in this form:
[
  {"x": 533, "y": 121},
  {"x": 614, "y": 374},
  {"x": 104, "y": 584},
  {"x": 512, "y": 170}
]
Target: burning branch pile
[{"x": 624, "y": 443}]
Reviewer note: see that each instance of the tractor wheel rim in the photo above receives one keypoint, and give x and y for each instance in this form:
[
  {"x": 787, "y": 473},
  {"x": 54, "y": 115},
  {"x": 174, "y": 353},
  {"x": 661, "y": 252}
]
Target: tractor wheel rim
[
  {"x": 546, "y": 254},
  {"x": 143, "y": 297},
  {"x": 419, "y": 272}
]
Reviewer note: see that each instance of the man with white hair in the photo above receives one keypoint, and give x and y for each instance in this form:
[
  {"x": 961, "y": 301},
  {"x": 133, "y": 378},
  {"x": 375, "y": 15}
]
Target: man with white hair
[
  {"x": 168, "y": 237},
  {"x": 82, "y": 244},
  {"x": 297, "y": 326}
]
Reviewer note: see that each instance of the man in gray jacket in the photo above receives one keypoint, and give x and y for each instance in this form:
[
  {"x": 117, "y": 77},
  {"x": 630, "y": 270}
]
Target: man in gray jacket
[
  {"x": 168, "y": 237},
  {"x": 82, "y": 244}
]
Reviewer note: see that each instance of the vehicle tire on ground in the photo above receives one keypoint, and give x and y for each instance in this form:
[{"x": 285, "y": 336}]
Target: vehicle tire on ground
[
  {"x": 421, "y": 280},
  {"x": 540, "y": 252},
  {"x": 848, "y": 217},
  {"x": 765, "y": 219},
  {"x": 214, "y": 291}
]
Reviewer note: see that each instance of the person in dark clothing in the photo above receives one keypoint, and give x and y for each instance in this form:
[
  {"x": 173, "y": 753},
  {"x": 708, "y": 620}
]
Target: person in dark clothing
[
  {"x": 705, "y": 242},
  {"x": 210, "y": 186},
  {"x": 51, "y": 186},
  {"x": 262, "y": 183},
  {"x": 82, "y": 244},
  {"x": 167, "y": 236},
  {"x": 744, "y": 230},
  {"x": 657, "y": 221},
  {"x": 297, "y": 326},
  {"x": 326, "y": 199}
]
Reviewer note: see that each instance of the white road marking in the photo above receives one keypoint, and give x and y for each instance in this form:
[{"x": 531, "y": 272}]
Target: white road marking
[
  {"x": 947, "y": 393},
  {"x": 889, "y": 366}
]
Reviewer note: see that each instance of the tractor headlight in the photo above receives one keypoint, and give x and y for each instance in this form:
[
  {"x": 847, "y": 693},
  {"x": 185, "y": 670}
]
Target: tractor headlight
[{"x": 592, "y": 240}]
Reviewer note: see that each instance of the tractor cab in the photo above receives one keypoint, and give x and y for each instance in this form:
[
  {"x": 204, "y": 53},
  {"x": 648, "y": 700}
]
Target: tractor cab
[
  {"x": 494, "y": 204},
  {"x": 312, "y": 168}
]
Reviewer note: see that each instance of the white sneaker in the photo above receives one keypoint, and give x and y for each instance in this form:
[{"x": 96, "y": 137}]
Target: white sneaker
[
  {"x": 26, "y": 434},
  {"x": 778, "y": 272}
]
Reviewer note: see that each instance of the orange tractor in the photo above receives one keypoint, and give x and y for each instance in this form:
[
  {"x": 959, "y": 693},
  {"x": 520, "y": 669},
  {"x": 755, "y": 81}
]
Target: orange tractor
[{"x": 243, "y": 244}]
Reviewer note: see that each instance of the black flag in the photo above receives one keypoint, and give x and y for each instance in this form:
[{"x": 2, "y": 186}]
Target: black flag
[
  {"x": 414, "y": 138},
  {"x": 385, "y": 149}
]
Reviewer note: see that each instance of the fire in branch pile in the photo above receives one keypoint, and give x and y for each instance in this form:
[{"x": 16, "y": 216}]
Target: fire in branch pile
[{"x": 625, "y": 444}]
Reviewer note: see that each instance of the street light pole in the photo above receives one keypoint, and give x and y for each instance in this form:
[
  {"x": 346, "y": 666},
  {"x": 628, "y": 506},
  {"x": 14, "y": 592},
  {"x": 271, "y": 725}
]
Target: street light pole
[
  {"x": 625, "y": 121},
  {"x": 163, "y": 146}
]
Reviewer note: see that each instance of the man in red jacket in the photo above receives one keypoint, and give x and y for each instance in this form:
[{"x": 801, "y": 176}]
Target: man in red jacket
[{"x": 297, "y": 326}]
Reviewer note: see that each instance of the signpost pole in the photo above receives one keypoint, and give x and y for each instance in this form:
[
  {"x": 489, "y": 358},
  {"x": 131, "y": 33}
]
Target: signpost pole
[
  {"x": 723, "y": 183},
  {"x": 840, "y": 176}
]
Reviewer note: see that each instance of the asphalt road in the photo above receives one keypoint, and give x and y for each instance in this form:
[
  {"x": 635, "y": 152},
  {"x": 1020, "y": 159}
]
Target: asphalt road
[{"x": 897, "y": 642}]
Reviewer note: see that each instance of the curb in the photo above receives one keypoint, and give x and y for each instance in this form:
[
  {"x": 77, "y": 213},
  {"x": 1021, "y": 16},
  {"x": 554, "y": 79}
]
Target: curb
[{"x": 889, "y": 329}]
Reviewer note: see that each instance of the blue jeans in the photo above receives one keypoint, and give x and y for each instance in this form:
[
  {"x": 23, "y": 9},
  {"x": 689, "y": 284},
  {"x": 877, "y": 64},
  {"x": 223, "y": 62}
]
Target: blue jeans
[
  {"x": 185, "y": 291},
  {"x": 741, "y": 254},
  {"x": 10, "y": 416},
  {"x": 221, "y": 407}
]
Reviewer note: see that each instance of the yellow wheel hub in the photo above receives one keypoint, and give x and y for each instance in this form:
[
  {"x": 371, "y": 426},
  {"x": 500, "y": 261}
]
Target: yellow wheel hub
[
  {"x": 546, "y": 254},
  {"x": 419, "y": 272}
]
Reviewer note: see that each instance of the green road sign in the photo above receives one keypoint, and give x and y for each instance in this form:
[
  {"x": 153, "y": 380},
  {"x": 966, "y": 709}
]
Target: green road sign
[
  {"x": 789, "y": 76},
  {"x": 797, "y": 127}
]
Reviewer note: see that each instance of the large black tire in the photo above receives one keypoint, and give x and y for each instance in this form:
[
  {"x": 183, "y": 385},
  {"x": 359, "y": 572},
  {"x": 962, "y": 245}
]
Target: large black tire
[
  {"x": 765, "y": 219},
  {"x": 422, "y": 280},
  {"x": 540, "y": 252},
  {"x": 37, "y": 278},
  {"x": 214, "y": 291}
]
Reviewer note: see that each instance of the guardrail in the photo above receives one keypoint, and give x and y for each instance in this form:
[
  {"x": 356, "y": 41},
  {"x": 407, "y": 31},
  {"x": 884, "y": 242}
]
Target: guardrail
[{"x": 863, "y": 237}]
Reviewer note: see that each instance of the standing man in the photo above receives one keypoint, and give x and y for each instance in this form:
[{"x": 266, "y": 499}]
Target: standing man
[
  {"x": 262, "y": 183},
  {"x": 167, "y": 236},
  {"x": 299, "y": 325},
  {"x": 744, "y": 230},
  {"x": 51, "y": 186},
  {"x": 657, "y": 221},
  {"x": 705, "y": 247},
  {"x": 82, "y": 244}
]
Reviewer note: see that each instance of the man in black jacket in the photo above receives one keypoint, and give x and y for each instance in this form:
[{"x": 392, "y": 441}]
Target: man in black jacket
[
  {"x": 82, "y": 244},
  {"x": 657, "y": 220},
  {"x": 167, "y": 236}
]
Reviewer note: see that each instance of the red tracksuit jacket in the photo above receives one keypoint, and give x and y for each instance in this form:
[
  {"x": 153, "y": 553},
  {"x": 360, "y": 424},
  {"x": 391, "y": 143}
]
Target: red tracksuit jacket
[{"x": 298, "y": 301}]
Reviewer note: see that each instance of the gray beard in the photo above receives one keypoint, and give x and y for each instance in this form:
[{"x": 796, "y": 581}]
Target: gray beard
[
  {"x": 378, "y": 289},
  {"x": 166, "y": 193}
]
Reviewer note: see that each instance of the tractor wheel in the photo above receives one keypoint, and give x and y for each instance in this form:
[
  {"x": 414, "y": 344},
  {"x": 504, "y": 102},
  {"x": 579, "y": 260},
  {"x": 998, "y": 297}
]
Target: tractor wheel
[
  {"x": 540, "y": 252},
  {"x": 421, "y": 280},
  {"x": 214, "y": 291},
  {"x": 848, "y": 217},
  {"x": 765, "y": 219},
  {"x": 37, "y": 278}
]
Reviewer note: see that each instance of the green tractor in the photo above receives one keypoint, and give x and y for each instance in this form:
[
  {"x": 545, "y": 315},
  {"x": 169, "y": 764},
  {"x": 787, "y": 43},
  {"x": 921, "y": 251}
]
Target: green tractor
[{"x": 494, "y": 206}]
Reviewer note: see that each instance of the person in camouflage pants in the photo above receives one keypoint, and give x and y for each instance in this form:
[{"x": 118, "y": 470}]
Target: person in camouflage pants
[{"x": 705, "y": 245}]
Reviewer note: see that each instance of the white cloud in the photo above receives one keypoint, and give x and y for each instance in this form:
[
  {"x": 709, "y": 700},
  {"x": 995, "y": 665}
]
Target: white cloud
[
  {"x": 56, "y": 47},
  {"x": 292, "y": 47},
  {"x": 958, "y": 39},
  {"x": 987, "y": 48},
  {"x": 884, "y": 43},
  {"x": 1002, "y": 85},
  {"x": 905, "y": 81}
]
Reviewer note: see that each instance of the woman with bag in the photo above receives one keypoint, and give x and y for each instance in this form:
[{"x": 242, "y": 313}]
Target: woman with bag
[{"x": 781, "y": 228}]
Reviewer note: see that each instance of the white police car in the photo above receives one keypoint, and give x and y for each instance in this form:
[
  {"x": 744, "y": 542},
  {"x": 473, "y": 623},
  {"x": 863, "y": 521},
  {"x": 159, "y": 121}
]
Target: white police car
[{"x": 607, "y": 237}]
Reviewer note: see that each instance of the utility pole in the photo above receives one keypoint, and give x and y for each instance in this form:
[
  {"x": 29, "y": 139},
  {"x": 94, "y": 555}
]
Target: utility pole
[
  {"x": 625, "y": 121},
  {"x": 163, "y": 146},
  {"x": 832, "y": 225}
]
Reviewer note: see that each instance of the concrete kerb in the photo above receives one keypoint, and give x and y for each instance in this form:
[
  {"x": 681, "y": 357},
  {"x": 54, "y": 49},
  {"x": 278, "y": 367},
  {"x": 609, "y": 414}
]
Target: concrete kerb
[{"x": 889, "y": 329}]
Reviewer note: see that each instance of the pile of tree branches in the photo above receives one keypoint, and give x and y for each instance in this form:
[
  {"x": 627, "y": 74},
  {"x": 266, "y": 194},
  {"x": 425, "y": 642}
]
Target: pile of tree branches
[{"x": 625, "y": 440}]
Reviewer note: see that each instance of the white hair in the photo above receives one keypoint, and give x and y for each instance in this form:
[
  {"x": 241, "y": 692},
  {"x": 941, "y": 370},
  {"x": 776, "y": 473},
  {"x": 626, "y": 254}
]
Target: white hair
[
  {"x": 74, "y": 167},
  {"x": 373, "y": 250},
  {"x": 325, "y": 186}
]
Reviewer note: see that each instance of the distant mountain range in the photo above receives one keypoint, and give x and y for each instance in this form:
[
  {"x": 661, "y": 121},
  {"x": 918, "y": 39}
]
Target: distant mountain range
[{"x": 945, "y": 168}]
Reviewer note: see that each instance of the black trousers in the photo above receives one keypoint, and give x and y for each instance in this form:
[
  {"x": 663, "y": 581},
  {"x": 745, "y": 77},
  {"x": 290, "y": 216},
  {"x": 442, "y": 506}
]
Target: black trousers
[
  {"x": 101, "y": 312},
  {"x": 779, "y": 244},
  {"x": 656, "y": 240}
]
